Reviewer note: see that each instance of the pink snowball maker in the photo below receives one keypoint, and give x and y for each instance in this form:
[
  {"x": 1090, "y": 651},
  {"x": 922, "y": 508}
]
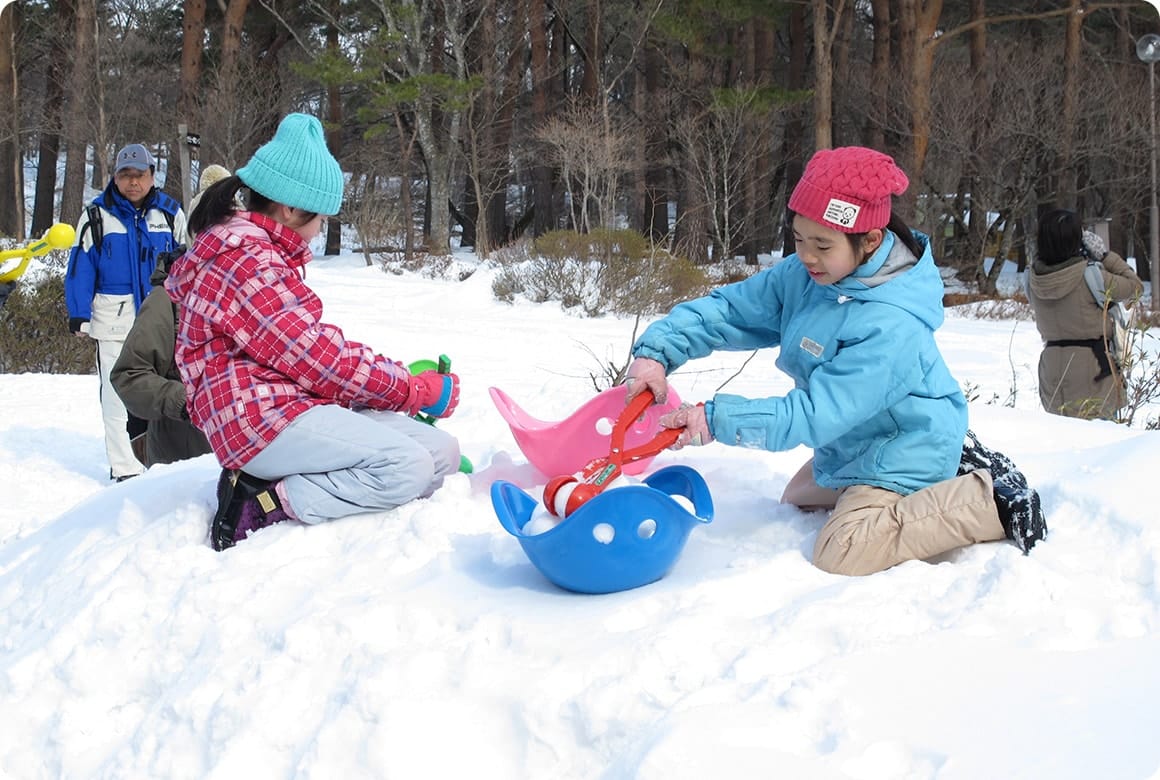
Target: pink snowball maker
[{"x": 565, "y": 447}]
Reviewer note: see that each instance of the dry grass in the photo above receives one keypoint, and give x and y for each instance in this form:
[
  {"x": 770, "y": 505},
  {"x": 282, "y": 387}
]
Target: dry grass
[{"x": 989, "y": 307}]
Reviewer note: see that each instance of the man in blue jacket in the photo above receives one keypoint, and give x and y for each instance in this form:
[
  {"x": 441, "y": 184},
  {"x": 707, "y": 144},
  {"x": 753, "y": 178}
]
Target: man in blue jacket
[{"x": 119, "y": 237}]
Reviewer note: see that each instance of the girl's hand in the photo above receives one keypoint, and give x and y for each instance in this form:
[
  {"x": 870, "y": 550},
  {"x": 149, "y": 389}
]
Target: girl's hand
[
  {"x": 646, "y": 373},
  {"x": 432, "y": 393},
  {"x": 693, "y": 420}
]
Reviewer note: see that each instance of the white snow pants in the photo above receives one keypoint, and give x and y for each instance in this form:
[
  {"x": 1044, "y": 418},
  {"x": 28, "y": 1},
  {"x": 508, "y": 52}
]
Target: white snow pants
[{"x": 112, "y": 317}]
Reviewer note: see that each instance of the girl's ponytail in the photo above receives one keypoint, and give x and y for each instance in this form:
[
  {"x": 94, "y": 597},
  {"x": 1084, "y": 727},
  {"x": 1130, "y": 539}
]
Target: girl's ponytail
[{"x": 216, "y": 205}]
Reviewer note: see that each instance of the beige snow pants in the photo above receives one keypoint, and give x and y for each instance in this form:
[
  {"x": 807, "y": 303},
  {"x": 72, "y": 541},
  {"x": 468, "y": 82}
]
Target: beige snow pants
[{"x": 872, "y": 529}]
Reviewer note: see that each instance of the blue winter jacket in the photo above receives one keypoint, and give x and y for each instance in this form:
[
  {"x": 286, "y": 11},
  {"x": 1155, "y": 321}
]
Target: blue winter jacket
[
  {"x": 132, "y": 239},
  {"x": 872, "y": 395}
]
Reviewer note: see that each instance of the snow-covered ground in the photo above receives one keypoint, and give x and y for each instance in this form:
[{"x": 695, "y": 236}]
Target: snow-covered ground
[{"x": 421, "y": 643}]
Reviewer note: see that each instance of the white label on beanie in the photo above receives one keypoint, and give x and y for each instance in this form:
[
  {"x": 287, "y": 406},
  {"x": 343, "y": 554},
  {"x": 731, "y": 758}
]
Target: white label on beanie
[{"x": 839, "y": 212}]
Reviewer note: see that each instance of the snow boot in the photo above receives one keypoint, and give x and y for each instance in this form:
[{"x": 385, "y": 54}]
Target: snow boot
[
  {"x": 245, "y": 504},
  {"x": 1018, "y": 504}
]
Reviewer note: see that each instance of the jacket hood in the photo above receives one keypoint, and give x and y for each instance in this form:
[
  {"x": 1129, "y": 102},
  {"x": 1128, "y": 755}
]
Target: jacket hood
[
  {"x": 893, "y": 275},
  {"x": 244, "y": 232},
  {"x": 1052, "y": 282}
]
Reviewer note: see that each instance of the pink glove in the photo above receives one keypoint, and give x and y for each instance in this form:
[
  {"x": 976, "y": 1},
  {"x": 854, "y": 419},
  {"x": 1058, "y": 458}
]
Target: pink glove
[
  {"x": 432, "y": 393},
  {"x": 646, "y": 372},
  {"x": 693, "y": 420}
]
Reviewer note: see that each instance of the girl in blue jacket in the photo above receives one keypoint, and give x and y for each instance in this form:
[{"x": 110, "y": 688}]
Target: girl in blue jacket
[{"x": 854, "y": 311}]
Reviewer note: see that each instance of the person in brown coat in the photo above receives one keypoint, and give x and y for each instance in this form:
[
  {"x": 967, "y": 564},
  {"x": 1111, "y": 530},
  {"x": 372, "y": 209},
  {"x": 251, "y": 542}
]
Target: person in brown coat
[
  {"x": 145, "y": 375},
  {"x": 146, "y": 378},
  {"x": 1078, "y": 376}
]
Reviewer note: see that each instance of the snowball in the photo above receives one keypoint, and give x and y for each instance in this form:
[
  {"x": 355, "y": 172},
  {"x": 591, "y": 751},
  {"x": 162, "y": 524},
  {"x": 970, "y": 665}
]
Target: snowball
[
  {"x": 540, "y": 522},
  {"x": 622, "y": 481},
  {"x": 561, "y": 501}
]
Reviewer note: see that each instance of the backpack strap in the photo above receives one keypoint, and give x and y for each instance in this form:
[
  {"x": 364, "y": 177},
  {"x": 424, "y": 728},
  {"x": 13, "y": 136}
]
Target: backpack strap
[
  {"x": 1095, "y": 281},
  {"x": 1094, "y": 277},
  {"x": 95, "y": 225}
]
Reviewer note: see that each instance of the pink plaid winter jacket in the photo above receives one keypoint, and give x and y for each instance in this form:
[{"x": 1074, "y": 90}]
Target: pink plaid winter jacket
[{"x": 251, "y": 345}]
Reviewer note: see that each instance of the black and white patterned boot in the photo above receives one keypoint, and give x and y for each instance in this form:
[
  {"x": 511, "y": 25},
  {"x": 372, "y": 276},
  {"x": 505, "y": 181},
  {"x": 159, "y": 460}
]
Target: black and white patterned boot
[{"x": 1018, "y": 503}]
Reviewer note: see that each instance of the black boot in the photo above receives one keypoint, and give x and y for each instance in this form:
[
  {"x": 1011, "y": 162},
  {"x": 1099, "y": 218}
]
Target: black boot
[
  {"x": 1017, "y": 502},
  {"x": 245, "y": 504}
]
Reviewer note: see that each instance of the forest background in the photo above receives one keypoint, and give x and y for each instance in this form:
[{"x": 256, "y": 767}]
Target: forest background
[{"x": 478, "y": 122}]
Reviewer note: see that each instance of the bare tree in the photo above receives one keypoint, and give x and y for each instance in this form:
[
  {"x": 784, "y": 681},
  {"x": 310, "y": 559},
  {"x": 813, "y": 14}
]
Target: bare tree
[
  {"x": 593, "y": 156},
  {"x": 421, "y": 53},
  {"x": 721, "y": 147}
]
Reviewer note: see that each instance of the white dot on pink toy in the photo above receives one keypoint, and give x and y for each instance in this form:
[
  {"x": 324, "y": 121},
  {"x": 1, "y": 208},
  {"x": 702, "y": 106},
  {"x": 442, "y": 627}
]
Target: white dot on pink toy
[{"x": 604, "y": 426}]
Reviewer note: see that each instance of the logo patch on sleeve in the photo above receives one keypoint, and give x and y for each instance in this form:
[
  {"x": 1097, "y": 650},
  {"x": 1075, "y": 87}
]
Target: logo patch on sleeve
[
  {"x": 811, "y": 346},
  {"x": 840, "y": 212}
]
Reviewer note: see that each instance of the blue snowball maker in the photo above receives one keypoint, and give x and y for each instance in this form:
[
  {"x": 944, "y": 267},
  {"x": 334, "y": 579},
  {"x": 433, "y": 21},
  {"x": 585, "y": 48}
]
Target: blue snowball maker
[{"x": 622, "y": 538}]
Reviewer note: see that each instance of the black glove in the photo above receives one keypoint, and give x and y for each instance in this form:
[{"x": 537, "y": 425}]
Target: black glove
[
  {"x": 4, "y": 290},
  {"x": 75, "y": 323},
  {"x": 165, "y": 259}
]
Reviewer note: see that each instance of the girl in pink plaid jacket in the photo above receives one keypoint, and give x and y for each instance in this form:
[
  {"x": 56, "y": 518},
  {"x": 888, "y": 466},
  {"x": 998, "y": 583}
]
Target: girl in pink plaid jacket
[{"x": 307, "y": 424}]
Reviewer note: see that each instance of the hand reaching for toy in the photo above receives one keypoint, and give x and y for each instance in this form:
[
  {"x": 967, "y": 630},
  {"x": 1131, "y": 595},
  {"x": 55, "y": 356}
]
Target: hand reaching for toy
[
  {"x": 432, "y": 393},
  {"x": 693, "y": 420},
  {"x": 646, "y": 373}
]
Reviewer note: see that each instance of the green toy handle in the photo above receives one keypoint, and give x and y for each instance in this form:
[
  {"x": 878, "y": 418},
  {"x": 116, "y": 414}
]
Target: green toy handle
[{"x": 443, "y": 366}]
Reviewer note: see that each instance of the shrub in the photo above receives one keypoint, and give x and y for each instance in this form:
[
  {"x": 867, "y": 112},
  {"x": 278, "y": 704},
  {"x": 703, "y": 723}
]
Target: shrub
[
  {"x": 617, "y": 271},
  {"x": 34, "y": 335}
]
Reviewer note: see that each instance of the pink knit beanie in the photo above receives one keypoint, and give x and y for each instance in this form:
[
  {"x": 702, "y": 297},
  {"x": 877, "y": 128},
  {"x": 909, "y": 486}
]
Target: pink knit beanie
[{"x": 848, "y": 189}]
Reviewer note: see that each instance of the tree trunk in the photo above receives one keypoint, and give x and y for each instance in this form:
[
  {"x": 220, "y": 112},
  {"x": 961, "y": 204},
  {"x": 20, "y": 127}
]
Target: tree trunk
[
  {"x": 793, "y": 143},
  {"x": 80, "y": 104},
  {"x": 438, "y": 183},
  {"x": 980, "y": 91},
  {"x": 188, "y": 109},
  {"x": 874, "y": 135},
  {"x": 765, "y": 218},
  {"x": 11, "y": 159},
  {"x": 495, "y": 212},
  {"x": 656, "y": 190},
  {"x": 1066, "y": 166},
  {"x": 692, "y": 233},
  {"x": 590, "y": 84},
  {"x": 334, "y": 133},
  {"x": 823, "y": 78},
  {"x": 103, "y": 153},
  {"x": 542, "y": 196},
  {"x": 924, "y": 15},
  {"x": 235, "y": 16},
  {"x": 407, "y": 139},
  {"x": 44, "y": 205}
]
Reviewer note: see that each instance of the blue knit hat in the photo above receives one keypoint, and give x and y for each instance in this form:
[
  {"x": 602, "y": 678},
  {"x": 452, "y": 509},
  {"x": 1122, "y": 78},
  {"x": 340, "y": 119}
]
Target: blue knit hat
[{"x": 296, "y": 169}]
